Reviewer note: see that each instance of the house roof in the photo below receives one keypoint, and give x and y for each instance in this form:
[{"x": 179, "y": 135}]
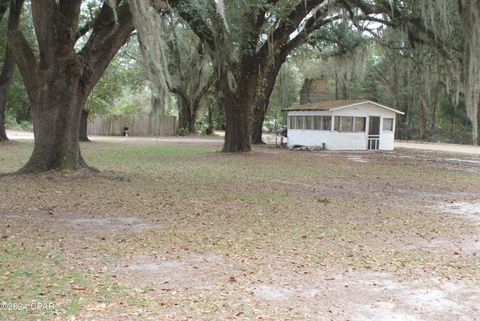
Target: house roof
[{"x": 336, "y": 105}]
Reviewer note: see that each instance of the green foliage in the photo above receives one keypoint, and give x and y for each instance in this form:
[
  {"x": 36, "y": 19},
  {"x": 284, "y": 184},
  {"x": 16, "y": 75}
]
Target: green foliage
[
  {"x": 25, "y": 125},
  {"x": 18, "y": 106},
  {"x": 182, "y": 131},
  {"x": 122, "y": 90},
  {"x": 10, "y": 120}
]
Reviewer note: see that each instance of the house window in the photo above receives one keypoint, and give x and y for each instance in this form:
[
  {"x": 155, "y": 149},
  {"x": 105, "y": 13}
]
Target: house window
[
  {"x": 292, "y": 122},
  {"x": 308, "y": 122},
  {"x": 388, "y": 124},
  {"x": 317, "y": 122},
  {"x": 360, "y": 124},
  {"x": 326, "y": 123},
  {"x": 299, "y": 122},
  {"x": 346, "y": 124},
  {"x": 336, "y": 126}
]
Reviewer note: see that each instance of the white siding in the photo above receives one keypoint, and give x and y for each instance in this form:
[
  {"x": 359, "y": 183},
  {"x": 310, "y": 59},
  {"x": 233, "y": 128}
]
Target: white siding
[
  {"x": 333, "y": 140},
  {"x": 342, "y": 140}
]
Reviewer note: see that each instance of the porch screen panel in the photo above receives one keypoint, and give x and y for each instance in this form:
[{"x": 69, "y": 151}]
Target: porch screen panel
[
  {"x": 360, "y": 124},
  {"x": 317, "y": 122},
  {"x": 388, "y": 124},
  {"x": 299, "y": 122},
  {"x": 308, "y": 122},
  {"x": 292, "y": 121},
  {"x": 336, "y": 125},
  {"x": 347, "y": 124},
  {"x": 326, "y": 122}
]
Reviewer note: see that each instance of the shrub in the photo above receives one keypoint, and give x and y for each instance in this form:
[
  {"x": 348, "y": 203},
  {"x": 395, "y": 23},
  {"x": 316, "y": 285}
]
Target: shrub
[
  {"x": 25, "y": 125},
  {"x": 10, "y": 121},
  {"x": 182, "y": 131}
]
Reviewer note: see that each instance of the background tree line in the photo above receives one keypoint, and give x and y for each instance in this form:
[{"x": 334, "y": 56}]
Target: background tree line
[{"x": 233, "y": 65}]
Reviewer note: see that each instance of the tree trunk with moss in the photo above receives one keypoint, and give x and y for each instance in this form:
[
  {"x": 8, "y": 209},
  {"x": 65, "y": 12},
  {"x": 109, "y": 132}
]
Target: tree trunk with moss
[
  {"x": 56, "y": 123},
  {"x": 60, "y": 82},
  {"x": 237, "y": 122}
]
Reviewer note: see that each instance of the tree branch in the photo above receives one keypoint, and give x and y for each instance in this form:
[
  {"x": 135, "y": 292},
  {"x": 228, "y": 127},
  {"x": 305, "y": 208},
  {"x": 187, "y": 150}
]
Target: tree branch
[
  {"x": 26, "y": 62},
  {"x": 108, "y": 36},
  {"x": 9, "y": 61},
  {"x": 45, "y": 18},
  {"x": 3, "y": 8},
  {"x": 177, "y": 91},
  {"x": 70, "y": 9},
  {"x": 196, "y": 22}
]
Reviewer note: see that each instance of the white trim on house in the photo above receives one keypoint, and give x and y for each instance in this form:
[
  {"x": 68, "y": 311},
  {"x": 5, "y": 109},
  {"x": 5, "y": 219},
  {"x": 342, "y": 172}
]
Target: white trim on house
[{"x": 368, "y": 101}]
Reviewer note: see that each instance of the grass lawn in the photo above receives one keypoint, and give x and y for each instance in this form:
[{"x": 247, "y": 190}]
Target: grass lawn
[{"x": 183, "y": 232}]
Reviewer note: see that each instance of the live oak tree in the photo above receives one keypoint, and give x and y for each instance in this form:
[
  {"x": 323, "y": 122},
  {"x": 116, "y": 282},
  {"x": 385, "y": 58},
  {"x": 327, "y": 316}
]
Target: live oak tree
[
  {"x": 175, "y": 60},
  {"x": 469, "y": 12},
  {"x": 428, "y": 64},
  {"x": 241, "y": 37},
  {"x": 249, "y": 41},
  {"x": 445, "y": 38},
  {"x": 59, "y": 80},
  {"x": 8, "y": 68},
  {"x": 324, "y": 34},
  {"x": 191, "y": 75}
]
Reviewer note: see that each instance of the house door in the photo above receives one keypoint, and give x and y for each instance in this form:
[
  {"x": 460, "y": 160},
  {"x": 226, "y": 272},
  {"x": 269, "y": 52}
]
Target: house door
[{"x": 373, "y": 133}]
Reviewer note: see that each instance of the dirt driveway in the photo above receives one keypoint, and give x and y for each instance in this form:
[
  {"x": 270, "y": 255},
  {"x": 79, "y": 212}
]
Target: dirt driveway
[
  {"x": 452, "y": 148},
  {"x": 23, "y": 135}
]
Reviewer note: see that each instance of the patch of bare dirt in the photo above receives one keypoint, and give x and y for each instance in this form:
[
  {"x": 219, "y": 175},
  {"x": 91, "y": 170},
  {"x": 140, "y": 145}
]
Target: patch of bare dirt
[
  {"x": 65, "y": 221},
  {"x": 313, "y": 295},
  {"x": 467, "y": 210},
  {"x": 192, "y": 270},
  {"x": 374, "y": 296}
]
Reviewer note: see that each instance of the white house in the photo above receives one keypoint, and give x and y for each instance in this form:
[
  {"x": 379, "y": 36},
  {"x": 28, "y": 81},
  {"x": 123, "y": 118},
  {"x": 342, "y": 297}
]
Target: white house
[{"x": 342, "y": 125}]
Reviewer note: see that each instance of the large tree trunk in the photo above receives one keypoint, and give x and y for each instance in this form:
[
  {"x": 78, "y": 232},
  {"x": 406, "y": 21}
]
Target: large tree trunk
[
  {"x": 3, "y": 133},
  {"x": 84, "y": 126},
  {"x": 8, "y": 63},
  {"x": 237, "y": 123},
  {"x": 193, "y": 117},
  {"x": 262, "y": 95},
  {"x": 184, "y": 115},
  {"x": 257, "y": 122},
  {"x": 59, "y": 83},
  {"x": 56, "y": 122}
]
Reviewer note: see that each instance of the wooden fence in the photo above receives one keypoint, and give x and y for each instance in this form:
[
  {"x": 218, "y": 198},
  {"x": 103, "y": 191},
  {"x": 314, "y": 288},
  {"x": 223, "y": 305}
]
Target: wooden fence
[{"x": 138, "y": 125}]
